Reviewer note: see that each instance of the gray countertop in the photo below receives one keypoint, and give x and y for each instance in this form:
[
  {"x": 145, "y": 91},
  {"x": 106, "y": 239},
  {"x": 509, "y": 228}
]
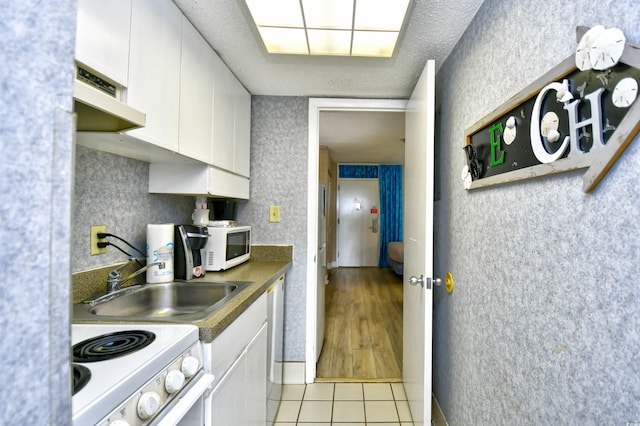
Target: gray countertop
[
  {"x": 262, "y": 273},
  {"x": 264, "y": 268}
]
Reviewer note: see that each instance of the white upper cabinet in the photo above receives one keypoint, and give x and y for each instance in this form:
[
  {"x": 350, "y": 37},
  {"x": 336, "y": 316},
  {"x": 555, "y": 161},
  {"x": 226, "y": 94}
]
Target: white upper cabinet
[
  {"x": 196, "y": 95},
  {"x": 223, "y": 116},
  {"x": 231, "y": 122},
  {"x": 197, "y": 112},
  {"x": 242, "y": 131},
  {"x": 102, "y": 39},
  {"x": 154, "y": 70}
]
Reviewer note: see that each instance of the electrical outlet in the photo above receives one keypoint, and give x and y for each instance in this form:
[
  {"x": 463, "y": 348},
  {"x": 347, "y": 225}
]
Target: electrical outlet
[
  {"x": 274, "y": 213},
  {"x": 95, "y": 230}
]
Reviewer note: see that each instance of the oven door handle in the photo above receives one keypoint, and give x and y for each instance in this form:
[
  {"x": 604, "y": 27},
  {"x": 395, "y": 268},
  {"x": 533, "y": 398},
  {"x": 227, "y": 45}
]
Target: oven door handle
[{"x": 178, "y": 411}]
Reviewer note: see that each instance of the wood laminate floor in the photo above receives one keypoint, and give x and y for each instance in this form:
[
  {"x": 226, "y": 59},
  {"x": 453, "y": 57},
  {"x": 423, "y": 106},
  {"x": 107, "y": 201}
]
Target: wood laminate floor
[{"x": 363, "y": 326}]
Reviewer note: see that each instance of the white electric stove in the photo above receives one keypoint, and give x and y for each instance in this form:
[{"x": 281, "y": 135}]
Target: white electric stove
[{"x": 139, "y": 374}]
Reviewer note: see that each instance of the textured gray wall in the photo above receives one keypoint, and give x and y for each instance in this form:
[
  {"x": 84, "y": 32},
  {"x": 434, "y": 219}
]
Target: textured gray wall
[
  {"x": 543, "y": 326},
  {"x": 279, "y": 141},
  {"x": 114, "y": 191},
  {"x": 36, "y": 130}
]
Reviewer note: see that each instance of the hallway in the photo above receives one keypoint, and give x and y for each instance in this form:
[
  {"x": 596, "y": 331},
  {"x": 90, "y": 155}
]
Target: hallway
[{"x": 363, "y": 326}]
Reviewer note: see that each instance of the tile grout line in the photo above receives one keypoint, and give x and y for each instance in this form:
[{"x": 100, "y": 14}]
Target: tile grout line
[{"x": 364, "y": 401}]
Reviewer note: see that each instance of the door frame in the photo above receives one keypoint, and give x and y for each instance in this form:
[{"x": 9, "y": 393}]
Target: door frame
[{"x": 316, "y": 105}]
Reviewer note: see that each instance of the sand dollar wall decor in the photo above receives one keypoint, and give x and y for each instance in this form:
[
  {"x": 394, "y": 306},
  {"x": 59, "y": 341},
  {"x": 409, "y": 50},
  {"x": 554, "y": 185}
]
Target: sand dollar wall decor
[{"x": 581, "y": 114}]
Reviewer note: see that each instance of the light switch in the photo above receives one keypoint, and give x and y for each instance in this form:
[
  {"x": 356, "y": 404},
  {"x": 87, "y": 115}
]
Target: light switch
[{"x": 274, "y": 213}]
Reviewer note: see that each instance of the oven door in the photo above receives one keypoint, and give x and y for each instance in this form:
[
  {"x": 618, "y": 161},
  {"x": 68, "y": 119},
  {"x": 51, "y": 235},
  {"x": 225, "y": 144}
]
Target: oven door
[{"x": 189, "y": 410}]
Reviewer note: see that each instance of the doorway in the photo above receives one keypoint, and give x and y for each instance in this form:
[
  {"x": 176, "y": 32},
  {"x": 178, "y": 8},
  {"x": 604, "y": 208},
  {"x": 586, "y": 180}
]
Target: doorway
[
  {"x": 315, "y": 106},
  {"x": 363, "y": 326},
  {"x": 358, "y": 233}
]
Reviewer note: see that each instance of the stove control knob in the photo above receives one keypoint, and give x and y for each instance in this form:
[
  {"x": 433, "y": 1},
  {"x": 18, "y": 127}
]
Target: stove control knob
[
  {"x": 148, "y": 405},
  {"x": 174, "y": 381},
  {"x": 190, "y": 366},
  {"x": 119, "y": 423}
]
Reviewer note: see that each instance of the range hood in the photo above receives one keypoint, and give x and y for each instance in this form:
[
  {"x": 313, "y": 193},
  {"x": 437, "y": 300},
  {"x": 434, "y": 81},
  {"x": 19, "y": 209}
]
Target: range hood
[{"x": 97, "y": 107}]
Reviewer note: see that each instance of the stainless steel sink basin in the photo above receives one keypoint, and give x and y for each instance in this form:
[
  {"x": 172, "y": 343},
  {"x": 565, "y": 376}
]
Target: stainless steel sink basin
[{"x": 174, "y": 301}]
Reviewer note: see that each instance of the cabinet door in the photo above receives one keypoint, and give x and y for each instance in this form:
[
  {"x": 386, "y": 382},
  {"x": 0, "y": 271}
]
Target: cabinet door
[
  {"x": 242, "y": 131},
  {"x": 223, "y": 116},
  {"x": 102, "y": 39},
  {"x": 196, "y": 95},
  {"x": 256, "y": 379},
  {"x": 154, "y": 70},
  {"x": 227, "y": 399}
]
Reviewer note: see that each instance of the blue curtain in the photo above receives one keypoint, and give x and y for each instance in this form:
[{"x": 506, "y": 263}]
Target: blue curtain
[
  {"x": 358, "y": 171},
  {"x": 390, "y": 178}
]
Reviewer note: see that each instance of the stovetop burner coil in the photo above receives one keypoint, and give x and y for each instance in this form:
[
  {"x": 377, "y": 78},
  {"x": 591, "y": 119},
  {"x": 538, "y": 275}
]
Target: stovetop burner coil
[
  {"x": 111, "y": 345},
  {"x": 81, "y": 376}
]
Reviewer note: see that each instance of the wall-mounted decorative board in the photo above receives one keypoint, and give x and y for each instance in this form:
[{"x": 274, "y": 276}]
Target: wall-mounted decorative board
[{"x": 581, "y": 114}]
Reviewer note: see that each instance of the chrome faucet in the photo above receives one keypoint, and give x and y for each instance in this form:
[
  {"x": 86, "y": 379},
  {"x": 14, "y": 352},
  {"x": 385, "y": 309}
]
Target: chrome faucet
[{"x": 115, "y": 280}]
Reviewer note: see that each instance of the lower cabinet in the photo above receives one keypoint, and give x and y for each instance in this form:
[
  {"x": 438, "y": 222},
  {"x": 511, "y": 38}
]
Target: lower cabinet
[
  {"x": 240, "y": 398},
  {"x": 238, "y": 360},
  {"x": 255, "y": 382}
]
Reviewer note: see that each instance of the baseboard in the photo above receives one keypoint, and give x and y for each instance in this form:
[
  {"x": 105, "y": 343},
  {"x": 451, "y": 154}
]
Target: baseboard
[
  {"x": 293, "y": 373},
  {"x": 437, "y": 416},
  {"x": 357, "y": 380}
]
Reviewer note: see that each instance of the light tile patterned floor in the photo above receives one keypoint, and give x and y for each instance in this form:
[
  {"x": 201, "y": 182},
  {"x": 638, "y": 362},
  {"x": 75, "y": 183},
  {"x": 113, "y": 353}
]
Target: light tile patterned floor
[{"x": 353, "y": 404}]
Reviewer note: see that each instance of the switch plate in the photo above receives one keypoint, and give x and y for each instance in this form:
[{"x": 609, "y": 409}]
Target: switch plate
[
  {"x": 274, "y": 213},
  {"x": 95, "y": 240}
]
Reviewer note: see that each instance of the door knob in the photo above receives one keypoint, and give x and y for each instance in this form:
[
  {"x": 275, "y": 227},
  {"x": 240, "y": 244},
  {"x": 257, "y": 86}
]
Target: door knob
[
  {"x": 425, "y": 282},
  {"x": 415, "y": 280}
]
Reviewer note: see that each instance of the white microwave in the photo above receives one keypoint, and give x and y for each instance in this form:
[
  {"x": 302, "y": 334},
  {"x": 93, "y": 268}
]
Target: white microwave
[{"x": 226, "y": 247}]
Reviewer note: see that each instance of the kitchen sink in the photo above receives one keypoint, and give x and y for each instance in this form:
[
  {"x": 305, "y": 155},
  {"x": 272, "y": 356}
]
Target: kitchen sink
[{"x": 173, "y": 301}]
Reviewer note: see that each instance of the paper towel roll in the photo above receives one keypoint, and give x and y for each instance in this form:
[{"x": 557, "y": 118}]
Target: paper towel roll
[{"x": 160, "y": 249}]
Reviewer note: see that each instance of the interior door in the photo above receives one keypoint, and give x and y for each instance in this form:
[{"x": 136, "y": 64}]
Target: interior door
[
  {"x": 322, "y": 266},
  {"x": 358, "y": 236},
  {"x": 418, "y": 245}
]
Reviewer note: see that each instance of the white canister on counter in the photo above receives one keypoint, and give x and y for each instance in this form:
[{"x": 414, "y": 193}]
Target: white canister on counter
[
  {"x": 200, "y": 217},
  {"x": 160, "y": 249}
]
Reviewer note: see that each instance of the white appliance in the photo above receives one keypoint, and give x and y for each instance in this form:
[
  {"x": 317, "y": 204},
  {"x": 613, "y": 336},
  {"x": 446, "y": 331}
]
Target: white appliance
[
  {"x": 142, "y": 374},
  {"x": 275, "y": 352},
  {"x": 227, "y": 246}
]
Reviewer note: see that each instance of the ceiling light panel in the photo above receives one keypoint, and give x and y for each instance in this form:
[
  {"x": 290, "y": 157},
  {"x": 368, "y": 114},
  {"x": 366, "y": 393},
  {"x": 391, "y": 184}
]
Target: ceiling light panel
[
  {"x": 329, "y": 42},
  {"x": 284, "y": 40},
  {"x": 333, "y": 27},
  {"x": 380, "y": 14},
  {"x": 374, "y": 43},
  {"x": 276, "y": 13},
  {"x": 328, "y": 14}
]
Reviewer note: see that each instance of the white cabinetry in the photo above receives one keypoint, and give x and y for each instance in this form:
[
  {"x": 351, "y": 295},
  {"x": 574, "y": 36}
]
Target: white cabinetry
[
  {"x": 237, "y": 358},
  {"x": 196, "y": 179},
  {"x": 231, "y": 122},
  {"x": 154, "y": 70},
  {"x": 98, "y": 46},
  {"x": 223, "y": 113},
  {"x": 196, "y": 95},
  {"x": 197, "y": 113},
  {"x": 242, "y": 131},
  {"x": 255, "y": 385}
]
